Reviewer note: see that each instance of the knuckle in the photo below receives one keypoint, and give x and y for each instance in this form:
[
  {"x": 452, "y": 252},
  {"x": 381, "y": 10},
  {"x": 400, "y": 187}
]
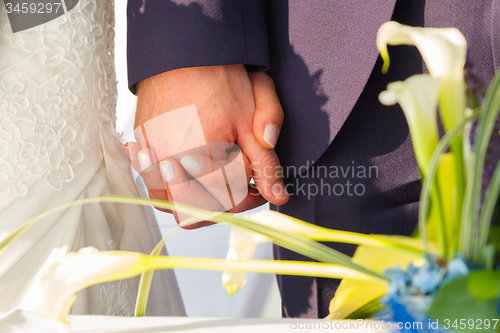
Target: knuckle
[
  {"x": 269, "y": 80},
  {"x": 275, "y": 109},
  {"x": 238, "y": 181},
  {"x": 269, "y": 159},
  {"x": 184, "y": 192},
  {"x": 214, "y": 180}
]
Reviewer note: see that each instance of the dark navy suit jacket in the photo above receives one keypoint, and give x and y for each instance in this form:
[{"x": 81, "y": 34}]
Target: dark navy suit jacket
[{"x": 323, "y": 58}]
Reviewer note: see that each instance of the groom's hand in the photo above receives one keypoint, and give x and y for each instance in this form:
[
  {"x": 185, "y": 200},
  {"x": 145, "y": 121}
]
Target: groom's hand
[{"x": 233, "y": 107}]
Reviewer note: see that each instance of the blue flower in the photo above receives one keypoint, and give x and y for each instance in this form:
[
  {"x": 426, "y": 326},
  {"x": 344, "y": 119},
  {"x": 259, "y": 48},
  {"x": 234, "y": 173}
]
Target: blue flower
[
  {"x": 456, "y": 267},
  {"x": 426, "y": 280},
  {"x": 398, "y": 284},
  {"x": 410, "y": 311}
]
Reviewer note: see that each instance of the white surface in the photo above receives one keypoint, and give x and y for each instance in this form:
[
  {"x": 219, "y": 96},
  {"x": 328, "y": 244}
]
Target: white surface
[
  {"x": 22, "y": 322},
  {"x": 201, "y": 291}
]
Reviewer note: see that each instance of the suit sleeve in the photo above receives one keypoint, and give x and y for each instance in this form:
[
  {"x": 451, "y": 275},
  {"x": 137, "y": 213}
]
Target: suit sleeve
[{"x": 164, "y": 35}]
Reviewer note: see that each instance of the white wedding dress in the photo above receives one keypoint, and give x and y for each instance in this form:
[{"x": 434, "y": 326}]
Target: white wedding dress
[{"x": 58, "y": 144}]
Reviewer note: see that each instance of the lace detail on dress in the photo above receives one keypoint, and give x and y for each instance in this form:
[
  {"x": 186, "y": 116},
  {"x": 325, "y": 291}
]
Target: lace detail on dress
[
  {"x": 55, "y": 98},
  {"x": 116, "y": 296}
]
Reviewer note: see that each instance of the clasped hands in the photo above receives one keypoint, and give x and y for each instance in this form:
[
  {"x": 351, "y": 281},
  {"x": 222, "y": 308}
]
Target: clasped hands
[{"x": 197, "y": 160}]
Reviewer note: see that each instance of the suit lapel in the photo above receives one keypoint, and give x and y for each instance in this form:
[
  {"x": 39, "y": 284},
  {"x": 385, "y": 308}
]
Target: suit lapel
[{"x": 332, "y": 45}]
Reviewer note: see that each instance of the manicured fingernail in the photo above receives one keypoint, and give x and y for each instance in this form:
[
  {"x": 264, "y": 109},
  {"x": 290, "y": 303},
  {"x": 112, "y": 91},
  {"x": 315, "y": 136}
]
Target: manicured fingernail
[
  {"x": 271, "y": 134},
  {"x": 167, "y": 170},
  {"x": 190, "y": 164},
  {"x": 277, "y": 190},
  {"x": 145, "y": 162}
]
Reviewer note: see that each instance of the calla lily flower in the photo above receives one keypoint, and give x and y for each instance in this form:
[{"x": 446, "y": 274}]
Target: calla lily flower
[
  {"x": 242, "y": 244},
  {"x": 64, "y": 274},
  {"x": 418, "y": 97},
  {"x": 280, "y": 221},
  {"x": 444, "y": 51}
]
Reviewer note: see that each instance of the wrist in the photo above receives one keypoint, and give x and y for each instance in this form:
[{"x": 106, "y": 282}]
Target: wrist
[{"x": 182, "y": 87}]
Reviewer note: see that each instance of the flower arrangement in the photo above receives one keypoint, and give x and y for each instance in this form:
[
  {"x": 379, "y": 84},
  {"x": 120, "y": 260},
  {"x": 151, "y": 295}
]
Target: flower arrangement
[
  {"x": 444, "y": 278},
  {"x": 447, "y": 277}
]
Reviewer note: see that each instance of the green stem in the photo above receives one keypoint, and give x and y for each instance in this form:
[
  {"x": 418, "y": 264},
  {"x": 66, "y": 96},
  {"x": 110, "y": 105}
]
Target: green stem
[
  {"x": 293, "y": 242},
  {"x": 328, "y": 235},
  {"x": 491, "y": 199},
  {"x": 147, "y": 278},
  {"x": 367, "y": 310},
  {"x": 283, "y": 267},
  {"x": 299, "y": 244},
  {"x": 457, "y": 150},
  {"x": 452, "y": 104},
  {"x": 441, "y": 226},
  {"x": 321, "y": 234},
  {"x": 429, "y": 179},
  {"x": 470, "y": 215}
]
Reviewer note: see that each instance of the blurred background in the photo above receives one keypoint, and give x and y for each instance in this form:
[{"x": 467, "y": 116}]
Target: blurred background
[{"x": 201, "y": 291}]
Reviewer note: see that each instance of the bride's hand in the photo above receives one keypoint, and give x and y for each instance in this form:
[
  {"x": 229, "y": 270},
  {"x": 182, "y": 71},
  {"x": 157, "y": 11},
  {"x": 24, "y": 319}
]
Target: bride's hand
[
  {"x": 233, "y": 107},
  {"x": 193, "y": 182}
]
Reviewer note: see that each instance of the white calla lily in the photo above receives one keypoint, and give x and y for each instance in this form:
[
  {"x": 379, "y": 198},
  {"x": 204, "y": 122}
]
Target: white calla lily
[
  {"x": 418, "y": 97},
  {"x": 242, "y": 244},
  {"x": 67, "y": 273},
  {"x": 444, "y": 52},
  {"x": 280, "y": 221},
  {"x": 443, "y": 49}
]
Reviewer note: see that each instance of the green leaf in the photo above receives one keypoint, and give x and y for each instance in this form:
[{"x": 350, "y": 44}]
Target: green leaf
[
  {"x": 464, "y": 298},
  {"x": 351, "y": 295},
  {"x": 291, "y": 241},
  {"x": 447, "y": 180},
  {"x": 429, "y": 180},
  {"x": 342, "y": 264},
  {"x": 470, "y": 215},
  {"x": 13, "y": 235},
  {"x": 490, "y": 203},
  {"x": 299, "y": 244},
  {"x": 337, "y": 264},
  {"x": 284, "y": 267},
  {"x": 321, "y": 234},
  {"x": 66, "y": 274},
  {"x": 483, "y": 285},
  {"x": 116, "y": 199},
  {"x": 367, "y": 310}
]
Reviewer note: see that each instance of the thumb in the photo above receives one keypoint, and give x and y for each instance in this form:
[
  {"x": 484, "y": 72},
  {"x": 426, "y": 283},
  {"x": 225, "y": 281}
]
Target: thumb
[
  {"x": 258, "y": 147},
  {"x": 268, "y": 116},
  {"x": 266, "y": 169}
]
